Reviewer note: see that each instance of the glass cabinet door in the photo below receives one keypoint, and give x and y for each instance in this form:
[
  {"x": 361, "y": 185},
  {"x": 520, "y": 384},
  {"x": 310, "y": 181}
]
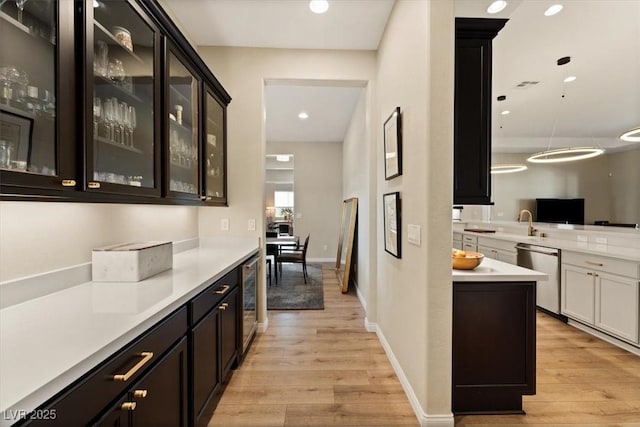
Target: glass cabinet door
[
  {"x": 183, "y": 120},
  {"x": 214, "y": 151},
  {"x": 122, "y": 152},
  {"x": 30, "y": 65}
]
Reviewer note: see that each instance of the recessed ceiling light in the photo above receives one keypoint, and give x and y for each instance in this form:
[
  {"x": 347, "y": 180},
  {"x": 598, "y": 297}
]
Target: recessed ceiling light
[
  {"x": 303, "y": 116},
  {"x": 496, "y": 6},
  {"x": 631, "y": 136},
  {"x": 505, "y": 112},
  {"x": 319, "y": 6},
  {"x": 282, "y": 157},
  {"x": 552, "y": 10},
  {"x": 569, "y": 79}
]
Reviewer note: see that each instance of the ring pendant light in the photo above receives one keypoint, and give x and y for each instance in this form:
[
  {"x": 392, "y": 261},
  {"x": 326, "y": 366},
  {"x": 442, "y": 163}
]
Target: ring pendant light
[{"x": 499, "y": 168}]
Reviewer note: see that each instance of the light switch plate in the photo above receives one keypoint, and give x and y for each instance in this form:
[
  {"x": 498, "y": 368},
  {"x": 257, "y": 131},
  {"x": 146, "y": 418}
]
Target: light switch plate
[
  {"x": 414, "y": 232},
  {"x": 224, "y": 224},
  {"x": 251, "y": 225}
]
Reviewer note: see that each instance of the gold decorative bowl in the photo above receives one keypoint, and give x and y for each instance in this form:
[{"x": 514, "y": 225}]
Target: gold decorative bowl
[{"x": 465, "y": 260}]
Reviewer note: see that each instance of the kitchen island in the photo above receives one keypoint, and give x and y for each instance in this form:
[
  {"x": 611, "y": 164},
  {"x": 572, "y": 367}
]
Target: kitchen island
[{"x": 494, "y": 338}]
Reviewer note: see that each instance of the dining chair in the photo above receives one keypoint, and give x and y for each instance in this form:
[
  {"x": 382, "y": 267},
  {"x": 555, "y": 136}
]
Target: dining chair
[
  {"x": 272, "y": 253},
  {"x": 271, "y": 234},
  {"x": 298, "y": 255},
  {"x": 283, "y": 229}
]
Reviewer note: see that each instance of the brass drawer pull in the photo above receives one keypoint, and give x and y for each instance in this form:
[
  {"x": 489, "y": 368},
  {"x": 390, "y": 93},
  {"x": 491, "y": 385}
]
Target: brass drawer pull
[
  {"x": 223, "y": 306},
  {"x": 589, "y": 274},
  {"x": 93, "y": 184},
  {"x": 128, "y": 406},
  {"x": 146, "y": 356},
  {"x": 599, "y": 264},
  {"x": 140, "y": 394},
  {"x": 223, "y": 291},
  {"x": 68, "y": 182}
]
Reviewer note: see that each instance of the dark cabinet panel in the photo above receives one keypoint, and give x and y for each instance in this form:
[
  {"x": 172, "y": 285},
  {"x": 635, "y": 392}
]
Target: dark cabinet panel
[
  {"x": 229, "y": 321},
  {"x": 206, "y": 377},
  {"x": 118, "y": 416},
  {"x": 494, "y": 346},
  {"x": 215, "y": 142},
  {"x": 161, "y": 396},
  {"x": 472, "y": 110}
]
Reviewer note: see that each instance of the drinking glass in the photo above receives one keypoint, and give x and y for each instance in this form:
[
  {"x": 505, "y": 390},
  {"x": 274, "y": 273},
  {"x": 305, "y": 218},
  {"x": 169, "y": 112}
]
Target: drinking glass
[
  {"x": 97, "y": 114},
  {"x": 101, "y": 58},
  {"x": 20, "y": 4},
  {"x": 108, "y": 118},
  {"x": 132, "y": 124},
  {"x": 116, "y": 71}
]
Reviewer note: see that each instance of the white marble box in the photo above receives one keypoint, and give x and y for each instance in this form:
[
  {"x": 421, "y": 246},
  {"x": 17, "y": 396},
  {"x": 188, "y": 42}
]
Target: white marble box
[{"x": 131, "y": 262}]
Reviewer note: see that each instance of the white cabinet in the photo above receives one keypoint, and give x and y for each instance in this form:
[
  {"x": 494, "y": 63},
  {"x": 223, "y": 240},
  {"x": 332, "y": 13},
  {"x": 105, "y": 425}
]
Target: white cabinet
[
  {"x": 578, "y": 293},
  {"x": 603, "y": 293},
  {"x": 457, "y": 240},
  {"x": 501, "y": 250},
  {"x": 617, "y": 305},
  {"x": 470, "y": 243}
]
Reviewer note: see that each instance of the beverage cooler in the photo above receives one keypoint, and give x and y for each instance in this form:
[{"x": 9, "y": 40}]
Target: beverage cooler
[{"x": 249, "y": 313}]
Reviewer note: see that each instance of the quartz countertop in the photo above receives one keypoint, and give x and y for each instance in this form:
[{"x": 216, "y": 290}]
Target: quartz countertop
[
  {"x": 492, "y": 270},
  {"x": 629, "y": 254},
  {"x": 50, "y": 341}
]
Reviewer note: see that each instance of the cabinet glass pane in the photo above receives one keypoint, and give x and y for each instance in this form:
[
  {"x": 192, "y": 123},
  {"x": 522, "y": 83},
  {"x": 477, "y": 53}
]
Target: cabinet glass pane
[
  {"x": 123, "y": 98},
  {"x": 183, "y": 128},
  {"x": 27, "y": 86},
  {"x": 214, "y": 148}
]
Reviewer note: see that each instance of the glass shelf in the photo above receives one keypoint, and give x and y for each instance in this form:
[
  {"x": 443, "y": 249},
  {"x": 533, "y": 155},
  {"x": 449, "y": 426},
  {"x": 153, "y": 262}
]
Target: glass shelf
[
  {"x": 104, "y": 33},
  {"x": 118, "y": 145}
]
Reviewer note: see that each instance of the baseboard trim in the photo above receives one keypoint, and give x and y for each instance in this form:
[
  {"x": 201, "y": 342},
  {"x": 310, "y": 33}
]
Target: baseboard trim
[
  {"x": 604, "y": 337},
  {"x": 370, "y": 326},
  {"x": 263, "y": 326},
  {"x": 321, "y": 259},
  {"x": 431, "y": 420},
  {"x": 363, "y": 302}
]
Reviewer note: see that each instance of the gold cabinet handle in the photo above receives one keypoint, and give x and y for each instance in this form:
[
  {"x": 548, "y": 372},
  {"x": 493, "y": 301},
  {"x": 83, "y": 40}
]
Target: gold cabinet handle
[
  {"x": 223, "y": 306},
  {"x": 128, "y": 406},
  {"x": 146, "y": 356},
  {"x": 140, "y": 394},
  {"x": 599, "y": 264},
  {"x": 93, "y": 184},
  {"x": 223, "y": 290},
  {"x": 589, "y": 274},
  {"x": 68, "y": 182}
]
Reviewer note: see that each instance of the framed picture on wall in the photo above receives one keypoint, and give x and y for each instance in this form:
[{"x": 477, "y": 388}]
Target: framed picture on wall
[
  {"x": 392, "y": 228},
  {"x": 393, "y": 145}
]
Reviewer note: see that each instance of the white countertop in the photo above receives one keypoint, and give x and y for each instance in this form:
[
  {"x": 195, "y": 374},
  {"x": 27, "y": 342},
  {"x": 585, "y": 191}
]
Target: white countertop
[
  {"x": 48, "y": 342},
  {"x": 630, "y": 254},
  {"x": 492, "y": 270}
]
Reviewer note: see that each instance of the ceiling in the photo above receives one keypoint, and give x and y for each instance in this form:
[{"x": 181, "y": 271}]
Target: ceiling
[{"x": 602, "y": 37}]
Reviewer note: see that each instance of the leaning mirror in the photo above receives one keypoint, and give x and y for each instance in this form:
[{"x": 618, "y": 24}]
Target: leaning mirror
[{"x": 346, "y": 241}]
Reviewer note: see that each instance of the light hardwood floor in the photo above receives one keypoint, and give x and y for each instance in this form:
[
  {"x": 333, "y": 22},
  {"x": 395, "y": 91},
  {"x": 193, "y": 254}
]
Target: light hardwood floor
[{"x": 321, "y": 368}]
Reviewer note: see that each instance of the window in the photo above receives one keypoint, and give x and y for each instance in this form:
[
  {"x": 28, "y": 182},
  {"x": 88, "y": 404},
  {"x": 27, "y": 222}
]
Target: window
[{"x": 283, "y": 200}]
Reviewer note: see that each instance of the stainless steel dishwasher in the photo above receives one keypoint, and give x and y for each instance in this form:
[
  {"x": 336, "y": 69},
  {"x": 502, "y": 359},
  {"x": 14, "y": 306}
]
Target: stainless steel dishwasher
[{"x": 545, "y": 260}]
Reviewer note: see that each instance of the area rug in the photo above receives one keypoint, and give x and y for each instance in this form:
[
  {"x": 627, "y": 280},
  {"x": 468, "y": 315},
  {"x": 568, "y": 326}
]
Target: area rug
[{"x": 291, "y": 293}]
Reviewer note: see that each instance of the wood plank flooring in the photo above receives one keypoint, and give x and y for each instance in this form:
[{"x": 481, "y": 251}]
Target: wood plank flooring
[{"x": 321, "y": 368}]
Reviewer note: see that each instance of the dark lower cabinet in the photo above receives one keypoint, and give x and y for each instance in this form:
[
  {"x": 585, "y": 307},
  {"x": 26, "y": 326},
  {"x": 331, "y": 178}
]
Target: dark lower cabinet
[
  {"x": 472, "y": 110},
  {"x": 206, "y": 377},
  {"x": 494, "y": 346},
  {"x": 117, "y": 416},
  {"x": 229, "y": 327}
]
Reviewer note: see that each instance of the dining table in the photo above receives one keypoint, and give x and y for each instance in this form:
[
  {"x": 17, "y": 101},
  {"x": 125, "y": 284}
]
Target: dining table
[{"x": 280, "y": 243}]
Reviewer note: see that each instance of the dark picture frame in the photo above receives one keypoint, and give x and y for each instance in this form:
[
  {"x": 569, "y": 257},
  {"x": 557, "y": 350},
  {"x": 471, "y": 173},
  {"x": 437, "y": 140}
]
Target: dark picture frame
[
  {"x": 17, "y": 131},
  {"x": 392, "y": 223},
  {"x": 393, "y": 145}
]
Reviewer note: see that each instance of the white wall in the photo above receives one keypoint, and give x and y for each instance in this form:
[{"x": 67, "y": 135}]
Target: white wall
[
  {"x": 358, "y": 172},
  {"x": 625, "y": 186},
  {"x": 243, "y": 72},
  {"x": 415, "y": 72},
  {"x": 317, "y": 192},
  {"x": 38, "y": 237}
]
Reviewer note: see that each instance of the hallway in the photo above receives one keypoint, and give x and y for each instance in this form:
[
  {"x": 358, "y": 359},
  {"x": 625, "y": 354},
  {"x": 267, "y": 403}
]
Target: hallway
[{"x": 316, "y": 368}]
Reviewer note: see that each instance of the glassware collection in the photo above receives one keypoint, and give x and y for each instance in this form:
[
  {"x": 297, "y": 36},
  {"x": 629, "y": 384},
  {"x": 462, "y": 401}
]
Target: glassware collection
[{"x": 114, "y": 121}]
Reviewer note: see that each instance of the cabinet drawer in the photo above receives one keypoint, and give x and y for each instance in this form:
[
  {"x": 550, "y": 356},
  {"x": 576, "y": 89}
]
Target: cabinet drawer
[
  {"x": 470, "y": 239},
  {"x": 469, "y": 247},
  {"x": 600, "y": 263},
  {"x": 91, "y": 394},
  {"x": 504, "y": 245},
  {"x": 211, "y": 296}
]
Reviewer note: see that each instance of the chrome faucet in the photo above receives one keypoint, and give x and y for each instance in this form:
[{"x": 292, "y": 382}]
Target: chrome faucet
[{"x": 530, "y": 230}]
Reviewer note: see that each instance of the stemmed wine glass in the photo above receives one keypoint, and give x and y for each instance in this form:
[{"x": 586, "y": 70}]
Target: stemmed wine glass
[
  {"x": 20, "y": 4},
  {"x": 97, "y": 115},
  {"x": 132, "y": 124}
]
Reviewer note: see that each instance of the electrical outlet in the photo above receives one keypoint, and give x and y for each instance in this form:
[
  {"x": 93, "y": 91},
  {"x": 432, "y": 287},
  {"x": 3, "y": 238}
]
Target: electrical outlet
[
  {"x": 413, "y": 232},
  {"x": 224, "y": 224},
  {"x": 251, "y": 225}
]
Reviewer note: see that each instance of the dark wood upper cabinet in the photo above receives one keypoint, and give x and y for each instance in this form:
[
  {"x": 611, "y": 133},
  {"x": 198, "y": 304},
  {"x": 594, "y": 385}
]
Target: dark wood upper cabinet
[
  {"x": 472, "y": 110},
  {"x": 112, "y": 104}
]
